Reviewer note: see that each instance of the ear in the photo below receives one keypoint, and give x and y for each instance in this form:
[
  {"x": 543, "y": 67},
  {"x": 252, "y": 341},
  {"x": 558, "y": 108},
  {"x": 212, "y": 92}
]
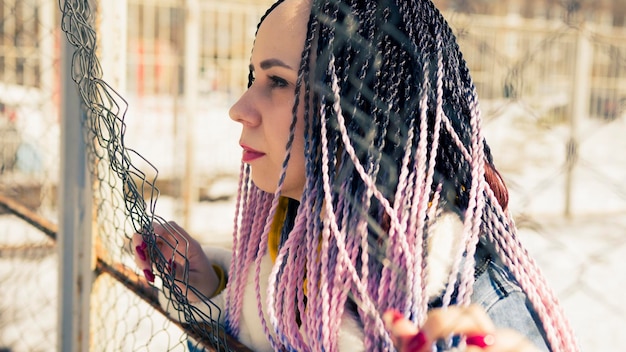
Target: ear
[{"x": 496, "y": 183}]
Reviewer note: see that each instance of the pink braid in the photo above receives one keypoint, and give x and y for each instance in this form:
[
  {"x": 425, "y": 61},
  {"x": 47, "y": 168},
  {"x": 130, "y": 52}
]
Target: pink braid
[
  {"x": 361, "y": 289},
  {"x": 476, "y": 201},
  {"x": 531, "y": 280}
]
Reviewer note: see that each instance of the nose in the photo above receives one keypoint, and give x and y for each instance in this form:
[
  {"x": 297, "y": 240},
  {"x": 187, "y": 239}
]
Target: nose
[{"x": 244, "y": 111}]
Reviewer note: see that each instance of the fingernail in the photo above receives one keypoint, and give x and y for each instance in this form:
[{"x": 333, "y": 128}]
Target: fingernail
[
  {"x": 391, "y": 316},
  {"x": 140, "y": 252},
  {"x": 395, "y": 316},
  {"x": 416, "y": 343},
  {"x": 149, "y": 275},
  {"x": 480, "y": 340},
  {"x": 171, "y": 265}
]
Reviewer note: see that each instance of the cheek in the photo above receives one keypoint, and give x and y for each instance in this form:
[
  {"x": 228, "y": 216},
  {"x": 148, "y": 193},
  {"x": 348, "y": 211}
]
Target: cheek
[
  {"x": 283, "y": 127},
  {"x": 296, "y": 163},
  {"x": 298, "y": 147},
  {"x": 298, "y": 138}
]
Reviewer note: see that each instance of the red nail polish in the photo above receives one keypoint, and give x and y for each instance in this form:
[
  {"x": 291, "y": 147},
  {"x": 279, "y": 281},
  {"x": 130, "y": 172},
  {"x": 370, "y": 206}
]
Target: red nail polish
[
  {"x": 171, "y": 265},
  {"x": 140, "y": 253},
  {"x": 149, "y": 275},
  {"x": 480, "y": 340},
  {"x": 416, "y": 343},
  {"x": 396, "y": 316}
]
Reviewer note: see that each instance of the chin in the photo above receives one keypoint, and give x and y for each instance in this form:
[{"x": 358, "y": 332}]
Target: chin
[{"x": 264, "y": 185}]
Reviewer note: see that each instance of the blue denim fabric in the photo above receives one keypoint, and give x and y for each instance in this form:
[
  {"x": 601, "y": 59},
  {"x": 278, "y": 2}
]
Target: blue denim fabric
[
  {"x": 505, "y": 302},
  {"x": 193, "y": 347}
]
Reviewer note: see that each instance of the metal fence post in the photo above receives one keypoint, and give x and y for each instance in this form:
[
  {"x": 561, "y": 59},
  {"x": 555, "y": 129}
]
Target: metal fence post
[
  {"x": 190, "y": 91},
  {"x": 580, "y": 109},
  {"x": 74, "y": 238}
]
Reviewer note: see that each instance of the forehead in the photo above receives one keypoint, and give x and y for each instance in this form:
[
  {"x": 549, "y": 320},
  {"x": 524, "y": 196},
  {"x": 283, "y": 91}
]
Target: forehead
[{"x": 282, "y": 33}]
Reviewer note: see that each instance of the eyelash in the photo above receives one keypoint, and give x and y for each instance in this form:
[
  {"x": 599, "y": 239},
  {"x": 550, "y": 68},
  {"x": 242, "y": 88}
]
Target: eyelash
[
  {"x": 275, "y": 81},
  {"x": 278, "y": 82}
]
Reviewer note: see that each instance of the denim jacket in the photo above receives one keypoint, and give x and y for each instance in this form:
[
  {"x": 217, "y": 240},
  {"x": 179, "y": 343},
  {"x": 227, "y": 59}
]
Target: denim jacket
[{"x": 506, "y": 304}]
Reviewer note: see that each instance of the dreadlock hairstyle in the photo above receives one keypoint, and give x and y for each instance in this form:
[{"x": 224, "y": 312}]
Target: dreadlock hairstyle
[{"x": 392, "y": 140}]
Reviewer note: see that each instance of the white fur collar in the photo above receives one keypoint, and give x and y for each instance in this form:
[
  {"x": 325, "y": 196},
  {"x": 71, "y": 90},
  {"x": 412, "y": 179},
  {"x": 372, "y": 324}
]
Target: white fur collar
[{"x": 444, "y": 242}]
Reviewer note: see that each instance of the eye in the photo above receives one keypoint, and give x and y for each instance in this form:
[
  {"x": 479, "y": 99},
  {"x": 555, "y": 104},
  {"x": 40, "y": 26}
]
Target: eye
[
  {"x": 251, "y": 78},
  {"x": 278, "y": 82}
]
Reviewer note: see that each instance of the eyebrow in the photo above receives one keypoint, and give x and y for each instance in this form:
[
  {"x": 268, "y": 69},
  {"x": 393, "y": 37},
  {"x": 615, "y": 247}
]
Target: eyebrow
[{"x": 269, "y": 63}]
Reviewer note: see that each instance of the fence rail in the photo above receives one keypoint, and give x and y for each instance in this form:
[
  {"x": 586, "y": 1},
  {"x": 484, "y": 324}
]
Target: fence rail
[{"x": 553, "y": 96}]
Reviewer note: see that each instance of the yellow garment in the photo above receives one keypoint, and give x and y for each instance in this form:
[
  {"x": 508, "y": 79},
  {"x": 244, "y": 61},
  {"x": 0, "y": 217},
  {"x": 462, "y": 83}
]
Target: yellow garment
[
  {"x": 222, "y": 276},
  {"x": 273, "y": 241},
  {"x": 273, "y": 238}
]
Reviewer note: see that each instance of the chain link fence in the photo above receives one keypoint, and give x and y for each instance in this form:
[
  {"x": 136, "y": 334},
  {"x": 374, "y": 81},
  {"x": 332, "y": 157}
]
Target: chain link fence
[{"x": 551, "y": 77}]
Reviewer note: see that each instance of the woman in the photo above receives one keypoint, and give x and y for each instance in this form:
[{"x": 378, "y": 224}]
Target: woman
[{"x": 366, "y": 188}]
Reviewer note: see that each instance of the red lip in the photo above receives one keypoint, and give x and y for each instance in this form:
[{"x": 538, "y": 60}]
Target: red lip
[{"x": 250, "y": 154}]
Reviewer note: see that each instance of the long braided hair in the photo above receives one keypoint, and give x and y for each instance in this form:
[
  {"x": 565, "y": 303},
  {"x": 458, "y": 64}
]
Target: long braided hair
[{"x": 392, "y": 140}]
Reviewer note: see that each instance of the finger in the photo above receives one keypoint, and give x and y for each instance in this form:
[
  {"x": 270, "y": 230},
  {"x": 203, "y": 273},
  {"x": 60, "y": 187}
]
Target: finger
[
  {"x": 479, "y": 342},
  {"x": 398, "y": 326},
  {"x": 173, "y": 241},
  {"x": 185, "y": 260},
  {"x": 139, "y": 248},
  {"x": 404, "y": 333},
  {"x": 442, "y": 323},
  {"x": 168, "y": 239},
  {"x": 506, "y": 340},
  {"x": 142, "y": 260}
]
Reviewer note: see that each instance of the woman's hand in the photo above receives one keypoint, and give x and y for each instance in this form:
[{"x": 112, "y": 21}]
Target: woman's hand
[
  {"x": 184, "y": 257},
  {"x": 471, "y": 323}
]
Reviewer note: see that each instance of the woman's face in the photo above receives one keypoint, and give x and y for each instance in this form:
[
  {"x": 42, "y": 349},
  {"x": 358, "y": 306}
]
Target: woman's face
[{"x": 265, "y": 109}]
